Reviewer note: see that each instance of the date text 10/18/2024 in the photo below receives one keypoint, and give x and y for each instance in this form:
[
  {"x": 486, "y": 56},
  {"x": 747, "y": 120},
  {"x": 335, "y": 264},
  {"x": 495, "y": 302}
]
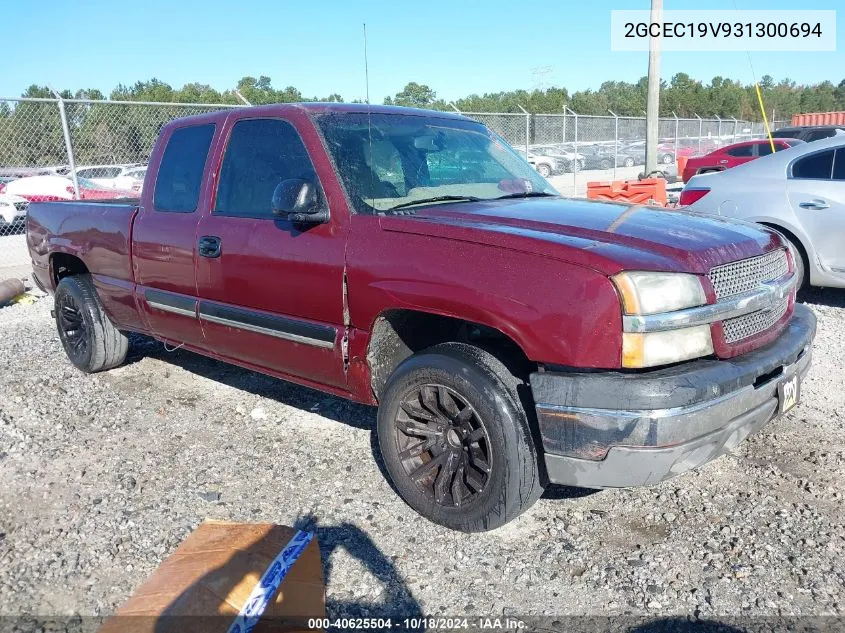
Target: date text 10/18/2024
[{"x": 420, "y": 623}]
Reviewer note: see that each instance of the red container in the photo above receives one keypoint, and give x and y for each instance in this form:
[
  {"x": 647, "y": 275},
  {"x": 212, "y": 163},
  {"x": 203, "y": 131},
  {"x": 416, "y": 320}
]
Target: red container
[{"x": 819, "y": 118}]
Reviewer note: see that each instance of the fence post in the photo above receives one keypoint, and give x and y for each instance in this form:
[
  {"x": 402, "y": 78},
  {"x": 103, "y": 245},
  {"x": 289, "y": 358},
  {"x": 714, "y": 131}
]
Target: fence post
[
  {"x": 68, "y": 146},
  {"x": 676, "y": 135},
  {"x": 700, "y": 131},
  {"x": 527, "y": 128},
  {"x": 563, "y": 140},
  {"x": 575, "y": 146},
  {"x": 719, "y": 119},
  {"x": 735, "y": 124},
  {"x": 615, "y": 141},
  {"x": 454, "y": 107}
]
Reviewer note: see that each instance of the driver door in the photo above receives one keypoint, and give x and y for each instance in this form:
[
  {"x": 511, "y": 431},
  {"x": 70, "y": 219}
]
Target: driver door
[{"x": 270, "y": 293}]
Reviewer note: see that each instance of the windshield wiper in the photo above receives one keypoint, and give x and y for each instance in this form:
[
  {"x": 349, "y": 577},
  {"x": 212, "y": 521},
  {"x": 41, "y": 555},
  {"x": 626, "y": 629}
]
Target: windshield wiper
[
  {"x": 435, "y": 199},
  {"x": 526, "y": 194}
]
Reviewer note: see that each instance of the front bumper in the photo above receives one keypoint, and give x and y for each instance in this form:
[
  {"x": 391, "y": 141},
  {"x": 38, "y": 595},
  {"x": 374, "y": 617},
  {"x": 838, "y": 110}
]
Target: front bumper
[{"x": 614, "y": 429}]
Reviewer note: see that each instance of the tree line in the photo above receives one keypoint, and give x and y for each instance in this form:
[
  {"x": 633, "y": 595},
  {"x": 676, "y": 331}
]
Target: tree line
[
  {"x": 31, "y": 132},
  {"x": 681, "y": 94}
]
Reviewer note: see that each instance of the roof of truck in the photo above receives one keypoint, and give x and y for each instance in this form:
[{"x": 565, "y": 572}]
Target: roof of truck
[{"x": 323, "y": 108}]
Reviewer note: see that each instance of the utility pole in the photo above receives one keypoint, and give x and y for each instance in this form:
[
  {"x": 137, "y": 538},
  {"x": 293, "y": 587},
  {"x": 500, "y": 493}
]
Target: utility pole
[{"x": 653, "y": 101}]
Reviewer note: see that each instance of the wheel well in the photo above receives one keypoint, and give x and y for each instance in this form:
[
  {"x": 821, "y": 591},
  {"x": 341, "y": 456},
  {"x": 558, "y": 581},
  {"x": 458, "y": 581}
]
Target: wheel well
[
  {"x": 397, "y": 334},
  {"x": 63, "y": 265},
  {"x": 797, "y": 242}
]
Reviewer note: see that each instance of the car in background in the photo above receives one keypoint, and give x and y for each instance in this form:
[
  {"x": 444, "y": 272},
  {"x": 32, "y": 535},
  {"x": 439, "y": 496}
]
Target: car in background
[
  {"x": 669, "y": 151},
  {"x": 603, "y": 155},
  {"x": 808, "y": 133},
  {"x": 50, "y": 188},
  {"x": 545, "y": 164},
  {"x": 799, "y": 191},
  {"x": 132, "y": 179},
  {"x": 733, "y": 155},
  {"x": 12, "y": 212},
  {"x": 112, "y": 176},
  {"x": 571, "y": 161}
]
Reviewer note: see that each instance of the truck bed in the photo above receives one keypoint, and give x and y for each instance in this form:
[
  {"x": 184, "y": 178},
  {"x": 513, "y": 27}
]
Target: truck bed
[{"x": 97, "y": 232}]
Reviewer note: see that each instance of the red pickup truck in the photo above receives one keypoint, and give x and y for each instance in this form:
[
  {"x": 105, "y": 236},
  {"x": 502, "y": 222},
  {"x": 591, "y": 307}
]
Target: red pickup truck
[{"x": 511, "y": 338}]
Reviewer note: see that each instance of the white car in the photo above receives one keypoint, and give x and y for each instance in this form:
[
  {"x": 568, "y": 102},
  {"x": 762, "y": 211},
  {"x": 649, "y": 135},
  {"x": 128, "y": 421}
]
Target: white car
[
  {"x": 545, "y": 164},
  {"x": 570, "y": 159},
  {"x": 798, "y": 191},
  {"x": 132, "y": 179},
  {"x": 113, "y": 176},
  {"x": 12, "y": 211}
]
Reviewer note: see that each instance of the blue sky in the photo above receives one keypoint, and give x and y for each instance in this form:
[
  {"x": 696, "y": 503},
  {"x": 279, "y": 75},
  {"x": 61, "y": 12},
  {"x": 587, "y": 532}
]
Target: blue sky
[{"x": 456, "y": 47}]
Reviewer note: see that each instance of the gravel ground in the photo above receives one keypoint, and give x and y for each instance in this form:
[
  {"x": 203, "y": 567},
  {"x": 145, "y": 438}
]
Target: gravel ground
[{"x": 102, "y": 476}]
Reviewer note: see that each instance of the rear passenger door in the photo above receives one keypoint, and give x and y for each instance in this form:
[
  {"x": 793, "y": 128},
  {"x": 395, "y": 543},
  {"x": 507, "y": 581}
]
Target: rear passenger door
[
  {"x": 271, "y": 292},
  {"x": 164, "y": 237}
]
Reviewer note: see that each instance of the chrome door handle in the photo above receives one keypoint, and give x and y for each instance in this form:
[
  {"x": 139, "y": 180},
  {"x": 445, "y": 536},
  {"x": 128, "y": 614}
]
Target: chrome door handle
[
  {"x": 723, "y": 162},
  {"x": 816, "y": 205}
]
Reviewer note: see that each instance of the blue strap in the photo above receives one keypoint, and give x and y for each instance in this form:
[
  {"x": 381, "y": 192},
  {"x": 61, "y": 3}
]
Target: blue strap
[{"x": 260, "y": 597}]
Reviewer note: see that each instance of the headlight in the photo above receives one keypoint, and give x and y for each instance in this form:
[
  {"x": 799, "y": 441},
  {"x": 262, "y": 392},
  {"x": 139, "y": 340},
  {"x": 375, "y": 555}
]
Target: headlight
[
  {"x": 662, "y": 348},
  {"x": 652, "y": 293}
]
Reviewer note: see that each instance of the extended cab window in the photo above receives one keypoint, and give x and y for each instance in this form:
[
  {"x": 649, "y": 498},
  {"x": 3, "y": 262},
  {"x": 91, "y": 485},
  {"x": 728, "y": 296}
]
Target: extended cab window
[
  {"x": 261, "y": 153},
  {"x": 177, "y": 187},
  {"x": 816, "y": 166}
]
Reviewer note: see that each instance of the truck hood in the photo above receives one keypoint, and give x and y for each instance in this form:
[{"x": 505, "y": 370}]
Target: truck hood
[{"x": 607, "y": 237}]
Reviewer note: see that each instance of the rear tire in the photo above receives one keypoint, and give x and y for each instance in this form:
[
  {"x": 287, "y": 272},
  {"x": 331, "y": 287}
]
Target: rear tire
[
  {"x": 455, "y": 438},
  {"x": 544, "y": 170},
  {"x": 90, "y": 339},
  {"x": 629, "y": 162}
]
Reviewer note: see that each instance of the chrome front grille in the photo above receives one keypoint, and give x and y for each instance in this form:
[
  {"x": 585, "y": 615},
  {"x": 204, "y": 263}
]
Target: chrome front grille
[
  {"x": 747, "y": 274},
  {"x": 742, "y": 327}
]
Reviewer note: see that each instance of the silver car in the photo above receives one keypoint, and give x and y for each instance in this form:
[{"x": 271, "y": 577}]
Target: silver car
[{"x": 799, "y": 191}]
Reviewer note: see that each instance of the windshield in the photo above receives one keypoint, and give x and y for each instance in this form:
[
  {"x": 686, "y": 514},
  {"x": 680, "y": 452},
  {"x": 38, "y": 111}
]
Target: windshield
[{"x": 389, "y": 161}]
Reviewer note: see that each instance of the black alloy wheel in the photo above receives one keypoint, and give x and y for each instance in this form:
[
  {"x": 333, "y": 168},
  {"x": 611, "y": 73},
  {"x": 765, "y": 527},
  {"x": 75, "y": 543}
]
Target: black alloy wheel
[
  {"x": 443, "y": 445},
  {"x": 73, "y": 331}
]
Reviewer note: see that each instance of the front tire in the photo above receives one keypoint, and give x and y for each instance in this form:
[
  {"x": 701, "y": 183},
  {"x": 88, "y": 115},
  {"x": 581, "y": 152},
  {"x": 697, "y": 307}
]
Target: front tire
[
  {"x": 90, "y": 339},
  {"x": 544, "y": 170},
  {"x": 455, "y": 438},
  {"x": 801, "y": 265},
  {"x": 629, "y": 162}
]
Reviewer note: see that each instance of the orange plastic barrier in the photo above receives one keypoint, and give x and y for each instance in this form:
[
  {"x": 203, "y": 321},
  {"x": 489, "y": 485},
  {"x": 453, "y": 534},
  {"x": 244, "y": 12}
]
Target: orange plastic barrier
[
  {"x": 682, "y": 165},
  {"x": 648, "y": 191}
]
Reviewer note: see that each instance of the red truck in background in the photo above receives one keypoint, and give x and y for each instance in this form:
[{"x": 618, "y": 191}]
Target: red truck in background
[{"x": 510, "y": 338}]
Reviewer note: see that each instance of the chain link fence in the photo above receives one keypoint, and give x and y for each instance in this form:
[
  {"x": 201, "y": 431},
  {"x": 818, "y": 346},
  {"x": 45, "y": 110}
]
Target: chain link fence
[
  {"x": 109, "y": 143},
  {"x": 567, "y": 143}
]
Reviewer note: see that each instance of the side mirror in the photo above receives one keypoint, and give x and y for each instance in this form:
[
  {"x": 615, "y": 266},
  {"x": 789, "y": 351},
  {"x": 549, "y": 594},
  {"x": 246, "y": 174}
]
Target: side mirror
[{"x": 297, "y": 199}]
